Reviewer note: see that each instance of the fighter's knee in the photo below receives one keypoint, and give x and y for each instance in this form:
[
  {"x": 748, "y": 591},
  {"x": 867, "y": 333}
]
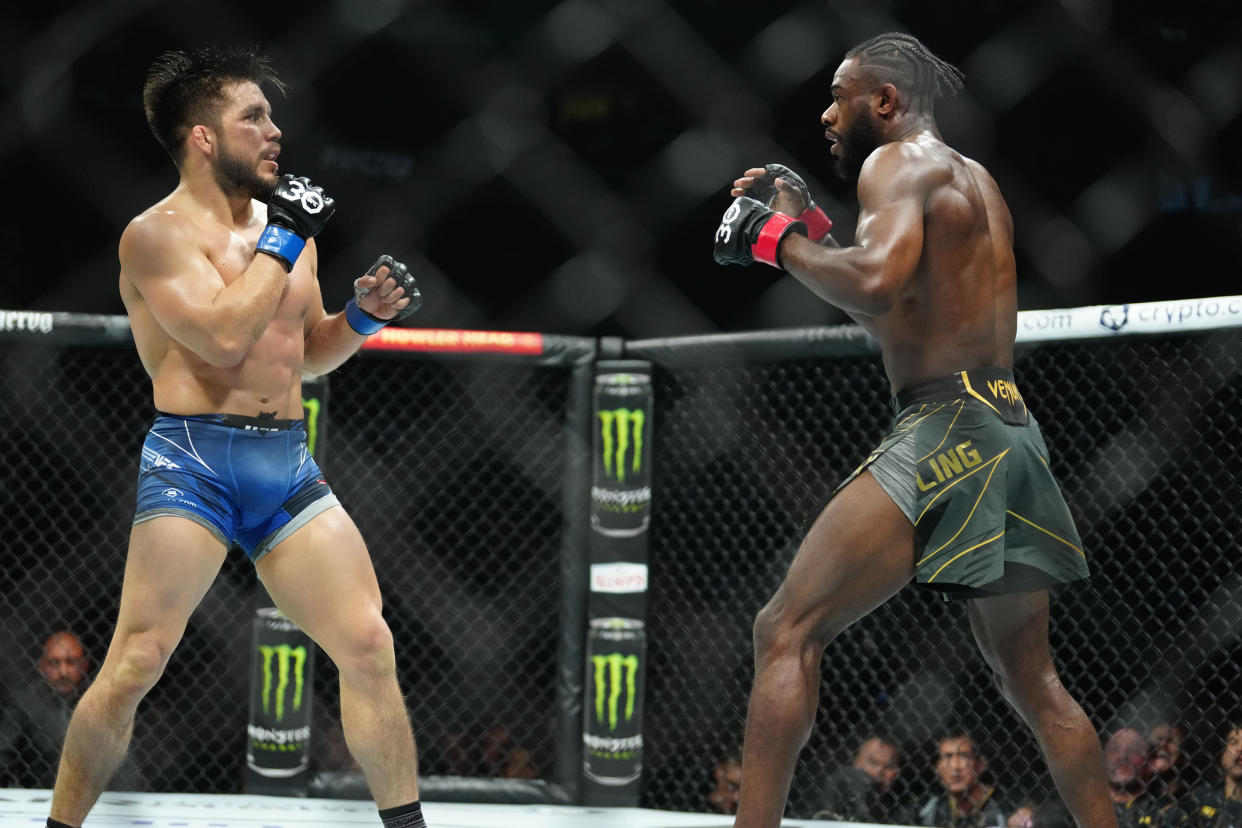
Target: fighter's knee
[
  {"x": 369, "y": 650},
  {"x": 767, "y": 628},
  {"x": 139, "y": 663},
  {"x": 1030, "y": 691},
  {"x": 777, "y": 629}
]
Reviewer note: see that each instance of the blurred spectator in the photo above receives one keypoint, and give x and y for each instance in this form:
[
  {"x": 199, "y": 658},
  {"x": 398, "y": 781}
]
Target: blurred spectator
[
  {"x": 727, "y": 778},
  {"x": 966, "y": 799},
  {"x": 503, "y": 757},
  {"x": 32, "y": 725},
  {"x": 863, "y": 791},
  {"x": 493, "y": 753},
  {"x": 1216, "y": 805},
  {"x": 1127, "y": 760},
  {"x": 1031, "y": 813},
  {"x": 455, "y": 750},
  {"x": 1023, "y": 816},
  {"x": 331, "y": 750},
  {"x": 1168, "y": 763}
]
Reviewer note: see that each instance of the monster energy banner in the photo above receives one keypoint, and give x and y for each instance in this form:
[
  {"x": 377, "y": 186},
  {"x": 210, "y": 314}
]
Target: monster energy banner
[
  {"x": 315, "y": 415},
  {"x": 612, "y": 736},
  {"x": 278, "y": 737},
  {"x": 621, "y": 485},
  {"x": 617, "y": 602}
]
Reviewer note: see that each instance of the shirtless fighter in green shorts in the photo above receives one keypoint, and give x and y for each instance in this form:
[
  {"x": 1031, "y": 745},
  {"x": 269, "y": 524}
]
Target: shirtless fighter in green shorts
[{"x": 958, "y": 496}]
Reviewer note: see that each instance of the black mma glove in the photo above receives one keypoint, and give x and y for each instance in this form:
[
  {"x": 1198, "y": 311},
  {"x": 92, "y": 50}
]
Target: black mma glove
[
  {"x": 296, "y": 211},
  {"x": 816, "y": 220},
  {"x": 367, "y": 323},
  {"x": 749, "y": 231}
]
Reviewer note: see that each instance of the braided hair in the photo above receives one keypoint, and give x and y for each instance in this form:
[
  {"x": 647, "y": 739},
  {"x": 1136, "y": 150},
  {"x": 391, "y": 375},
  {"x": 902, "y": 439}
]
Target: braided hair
[{"x": 903, "y": 60}]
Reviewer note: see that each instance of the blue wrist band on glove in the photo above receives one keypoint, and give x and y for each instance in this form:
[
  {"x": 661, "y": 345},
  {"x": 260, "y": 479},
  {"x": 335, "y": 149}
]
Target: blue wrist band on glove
[
  {"x": 359, "y": 321},
  {"x": 282, "y": 243}
]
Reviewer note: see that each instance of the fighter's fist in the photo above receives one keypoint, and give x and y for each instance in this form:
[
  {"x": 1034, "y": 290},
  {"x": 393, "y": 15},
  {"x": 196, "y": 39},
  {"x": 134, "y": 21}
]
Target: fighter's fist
[
  {"x": 385, "y": 295},
  {"x": 765, "y": 188},
  {"x": 403, "y": 287},
  {"x": 749, "y": 231},
  {"x": 782, "y": 189},
  {"x": 296, "y": 211}
]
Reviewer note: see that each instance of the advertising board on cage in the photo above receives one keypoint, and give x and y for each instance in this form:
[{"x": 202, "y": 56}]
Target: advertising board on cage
[
  {"x": 33, "y": 321},
  {"x": 1094, "y": 321},
  {"x": 612, "y": 734},
  {"x": 278, "y": 743},
  {"x": 621, "y": 485},
  {"x": 618, "y": 578}
]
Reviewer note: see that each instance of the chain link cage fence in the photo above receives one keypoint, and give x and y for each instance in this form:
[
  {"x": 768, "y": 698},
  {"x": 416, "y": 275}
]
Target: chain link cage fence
[{"x": 454, "y": 471}]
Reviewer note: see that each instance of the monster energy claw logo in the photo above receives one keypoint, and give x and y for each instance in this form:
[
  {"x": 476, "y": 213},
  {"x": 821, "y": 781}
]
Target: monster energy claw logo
[
  {"x": 617, "y": 428},
  {"x": 282, "y": 655},
  {"x": 614, "y": 672},
  {"x": 310, "y": 411}
]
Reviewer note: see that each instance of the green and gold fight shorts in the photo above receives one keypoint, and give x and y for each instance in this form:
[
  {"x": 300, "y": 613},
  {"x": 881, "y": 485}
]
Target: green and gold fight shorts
[{"x": 967, "y": 463}]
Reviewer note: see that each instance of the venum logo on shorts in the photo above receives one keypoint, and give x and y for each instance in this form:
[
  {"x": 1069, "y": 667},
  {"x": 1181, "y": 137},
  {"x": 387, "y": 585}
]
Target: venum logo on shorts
[{"x": 173, "y": 493}]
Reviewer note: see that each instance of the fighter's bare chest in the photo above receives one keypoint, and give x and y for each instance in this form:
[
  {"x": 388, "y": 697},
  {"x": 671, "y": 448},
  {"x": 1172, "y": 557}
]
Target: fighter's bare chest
[{"x": 232, "y": 251}]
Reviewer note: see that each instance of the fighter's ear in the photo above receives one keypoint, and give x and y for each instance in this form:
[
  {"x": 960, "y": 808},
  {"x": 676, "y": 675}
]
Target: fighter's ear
[
  {"x": 886, "y": 100},
  {"x": 201, "y": 138}
]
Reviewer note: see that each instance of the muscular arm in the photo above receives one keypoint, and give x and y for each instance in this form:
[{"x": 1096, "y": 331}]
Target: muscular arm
[
  {"x": 185, "y": 293},
  {"x": 867, "y": 277},
  {"x": 329, "y": 339}
]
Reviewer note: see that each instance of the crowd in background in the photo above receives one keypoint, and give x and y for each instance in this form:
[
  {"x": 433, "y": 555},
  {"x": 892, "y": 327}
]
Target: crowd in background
[{"x": 1148, "y": 769}]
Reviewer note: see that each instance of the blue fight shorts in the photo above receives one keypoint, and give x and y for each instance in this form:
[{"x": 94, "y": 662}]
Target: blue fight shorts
[{"x": 248, "y": 480}]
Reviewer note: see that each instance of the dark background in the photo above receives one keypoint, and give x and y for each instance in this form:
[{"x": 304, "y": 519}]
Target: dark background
[{"x": 561, "y": 165}]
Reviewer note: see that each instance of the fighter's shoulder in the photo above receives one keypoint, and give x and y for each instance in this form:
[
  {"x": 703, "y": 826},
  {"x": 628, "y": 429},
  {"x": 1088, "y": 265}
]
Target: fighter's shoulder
[
  {"x": 977, "y": 170},
  {"x": 160, "y": 223},
  {"x": 908, "y": 165},
  {"x": 158, "y": 236}
]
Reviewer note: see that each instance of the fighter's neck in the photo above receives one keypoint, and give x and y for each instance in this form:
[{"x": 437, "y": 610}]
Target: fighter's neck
[
  {"x": 910, "y": 126},
  {"x": 230, "y": 209}
]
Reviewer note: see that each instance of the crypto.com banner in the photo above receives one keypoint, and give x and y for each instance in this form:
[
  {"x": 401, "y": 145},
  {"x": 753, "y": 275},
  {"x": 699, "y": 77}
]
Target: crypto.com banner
[{"x": 1095, "y": 321}]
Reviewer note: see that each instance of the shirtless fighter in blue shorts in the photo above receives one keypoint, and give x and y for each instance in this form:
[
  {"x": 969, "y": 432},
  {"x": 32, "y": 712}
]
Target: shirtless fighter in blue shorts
[{"x": 220, "y": 279}]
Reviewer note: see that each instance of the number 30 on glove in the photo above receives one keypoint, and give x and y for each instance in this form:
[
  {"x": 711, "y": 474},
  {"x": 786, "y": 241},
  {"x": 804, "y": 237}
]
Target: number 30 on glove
[{"x": 750, "y": 232}]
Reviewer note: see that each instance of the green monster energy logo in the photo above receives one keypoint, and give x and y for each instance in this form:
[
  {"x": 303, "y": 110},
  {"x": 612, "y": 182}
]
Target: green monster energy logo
[
  {"x": 608, "y": 677},
  {"x": 616, "y": 427},
  {"x": 282, "y": 654},
  {"x": 310, "y": 409}
]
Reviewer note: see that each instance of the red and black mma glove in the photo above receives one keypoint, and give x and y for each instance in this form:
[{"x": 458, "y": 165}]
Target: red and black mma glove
[
  {"x": 750, "y": 232},
  {"x": 367, "y": 323},
  {"x": 296, "y": 211},
  {"x": 816, "y": 220}
]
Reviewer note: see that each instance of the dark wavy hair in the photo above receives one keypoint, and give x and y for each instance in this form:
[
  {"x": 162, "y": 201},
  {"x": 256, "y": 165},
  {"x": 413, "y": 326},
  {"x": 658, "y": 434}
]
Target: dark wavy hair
[
  {"x": 903, "y": 60},
  {"x": 186, "y": 88}
]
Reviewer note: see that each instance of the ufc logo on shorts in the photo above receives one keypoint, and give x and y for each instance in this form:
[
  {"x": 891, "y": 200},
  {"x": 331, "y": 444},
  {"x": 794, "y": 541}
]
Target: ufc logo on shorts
[
  {"x": 725, "y": 232},
  {"x": 312, "y": 201}
]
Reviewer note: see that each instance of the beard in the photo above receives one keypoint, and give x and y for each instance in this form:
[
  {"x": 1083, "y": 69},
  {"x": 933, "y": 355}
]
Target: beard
[
  {"x": 856, "y": 144},
  {"x": 236, "y": 176}
]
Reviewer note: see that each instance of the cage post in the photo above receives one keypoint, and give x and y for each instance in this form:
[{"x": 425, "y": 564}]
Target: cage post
[{"x": 617, "y": 602}]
